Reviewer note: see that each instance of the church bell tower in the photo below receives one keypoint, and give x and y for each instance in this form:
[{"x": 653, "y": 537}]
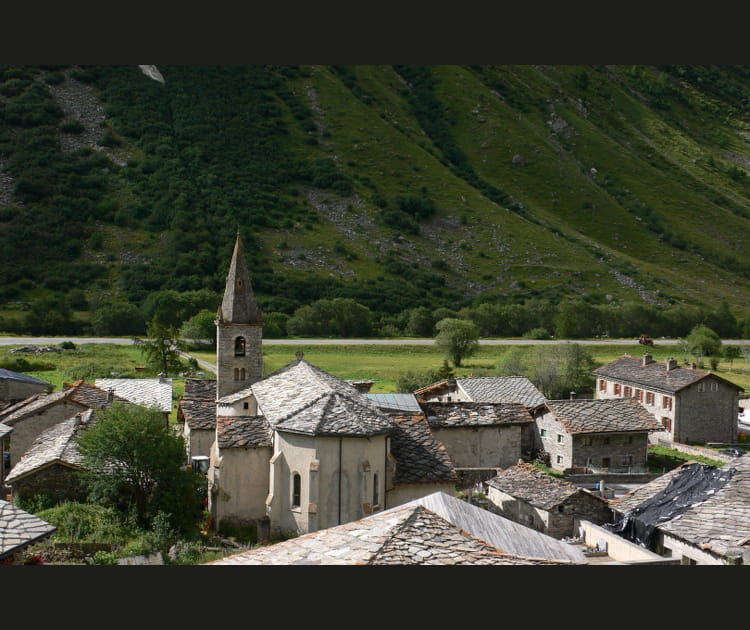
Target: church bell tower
[{"x": 239, "y": 330}]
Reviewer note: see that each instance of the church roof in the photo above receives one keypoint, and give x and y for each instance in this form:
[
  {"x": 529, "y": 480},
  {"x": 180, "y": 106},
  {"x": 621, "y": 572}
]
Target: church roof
[
  {"x": 419, "y": 456},
  {"x": 238, "y": 305},
  {"x": 303, "y": 398},
  {"x": 435, "y": 530},
  {"x": 243, "y": 431}
]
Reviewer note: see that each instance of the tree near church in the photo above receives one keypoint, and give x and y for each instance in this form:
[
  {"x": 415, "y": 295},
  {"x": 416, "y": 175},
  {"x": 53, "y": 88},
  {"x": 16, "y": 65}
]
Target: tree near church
[
  {"x": 134, "y": 462},
  {"x": 457, "y": 338},
  {"x": 160, "y": 348}
]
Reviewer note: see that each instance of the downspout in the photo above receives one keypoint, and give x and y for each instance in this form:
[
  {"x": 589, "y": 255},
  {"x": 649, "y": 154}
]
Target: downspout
[{"x": 341, "y": 441}]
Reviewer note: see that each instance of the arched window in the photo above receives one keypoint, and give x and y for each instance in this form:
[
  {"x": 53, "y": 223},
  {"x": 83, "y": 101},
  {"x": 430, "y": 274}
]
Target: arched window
[
  {"x": 296, "y": 490},
  {"x": 236, "y": 374},
  {"x": 239, "y": 347},
  {"x": 242, "y": 374}
]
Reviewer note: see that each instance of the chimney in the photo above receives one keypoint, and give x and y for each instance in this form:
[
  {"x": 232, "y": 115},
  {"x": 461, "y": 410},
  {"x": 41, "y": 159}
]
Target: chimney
[
  {"x": 670, "y": 364},
  {"x": 647, "y": 358},
  {"x": 110, "y": 395}
]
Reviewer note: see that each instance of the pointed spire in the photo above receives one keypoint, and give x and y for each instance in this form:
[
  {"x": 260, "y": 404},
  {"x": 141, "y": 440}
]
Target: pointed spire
[{"x": 238, "y": 305}]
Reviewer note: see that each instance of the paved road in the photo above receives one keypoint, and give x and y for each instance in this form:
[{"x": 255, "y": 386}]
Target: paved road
[{"x": 12, "y": 341}]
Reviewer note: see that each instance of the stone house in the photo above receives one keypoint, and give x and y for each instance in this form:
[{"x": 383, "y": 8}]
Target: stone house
[
  {"x": 600, "y": 435},
  {"x": 483, "y": 389},
  {"x": 50, "y": 466},
  {"x": 33, "y": 415},
  {"x": 543, "y": 502},
  {"x": 692, "y": 405},
  {"x": 437, "y": 529},
  {"x": 155, "y": 393},
  {"x": 481, "y": 435},
  {"x": 15, "y": 386},
  {"x": 18, "y": 530},
  {"x": 696, "y": 513}
]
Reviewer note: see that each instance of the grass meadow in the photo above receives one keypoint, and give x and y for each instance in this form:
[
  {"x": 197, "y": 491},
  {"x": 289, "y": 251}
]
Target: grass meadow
[{"x": 383, "y": 363}]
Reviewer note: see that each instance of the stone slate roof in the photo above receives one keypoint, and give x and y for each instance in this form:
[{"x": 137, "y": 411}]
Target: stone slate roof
[
  {"x": 199, "y": 414},
  {"x": 719, "y": 522},
  {"x": 396, "y": 403},
  {"x": 303, "y": 398},
  {"x": 54, "y": 445},
  {"x": 200, "y": 388},
  {"x": 472, "y": 414},
  {"x": 498, "y": 389},
  {"x": 238, "y": 304},
  {"x": 243, "y": 432},
  {"x": 147, "y": 392},
  {"x": 653, "y": 375},
  {"x": 84, "y": 395},
  {"x": 491, "y": 389},
  {"x": 535, "y": 487},
  {"x": 420, "y": 458},
  {"x": 4, "y": 430},
  {"x": 410, "y": 534},
  {"x": 602, "y": 415},
  {"x": 18, "y": 376},
  {"x": 19, "y": 529}
]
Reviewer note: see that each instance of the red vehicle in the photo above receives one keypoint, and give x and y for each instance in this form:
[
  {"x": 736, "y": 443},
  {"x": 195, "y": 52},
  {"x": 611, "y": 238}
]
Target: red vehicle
[{"x": 645, "y": 340}]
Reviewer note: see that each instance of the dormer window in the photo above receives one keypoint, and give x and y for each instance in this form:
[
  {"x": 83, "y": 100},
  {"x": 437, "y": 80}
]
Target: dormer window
[{"x": 239, "y": 347}]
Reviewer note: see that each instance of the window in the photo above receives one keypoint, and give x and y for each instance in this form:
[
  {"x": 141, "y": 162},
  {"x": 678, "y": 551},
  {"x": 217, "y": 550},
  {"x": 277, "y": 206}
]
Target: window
[
  {"x": 239, "y": 374},
  {"x": 559, "y": 459},
  {"x": 375, "y": 491},
  {"x": 296, "y": 490},
  {"x": 666, "y": 402},
  {"x": 560, "y": 438},
  {"x": 543, "y": 432},
  {"x": 628, "y": 391},
  {"x": 617, "y": 389},
  {"x": 239, "y": 347},
  {"x": 649, "y": 398},
  {"x": 246, "y": 405},
  {"x": 639, "y": 395},
  {"x": 714, "y": 387},
  {"x": 602, "y": 385},
  {"x": 667, "y": 422},
  {"x": 702, "y": 386}
]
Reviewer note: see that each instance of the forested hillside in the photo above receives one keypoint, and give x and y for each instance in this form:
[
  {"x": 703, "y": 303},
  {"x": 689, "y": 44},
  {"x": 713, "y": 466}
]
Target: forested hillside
[{"x": 569, "y": 200}]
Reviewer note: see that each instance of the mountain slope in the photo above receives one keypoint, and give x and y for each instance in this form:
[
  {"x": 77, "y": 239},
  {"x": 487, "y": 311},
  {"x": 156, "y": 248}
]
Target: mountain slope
[{"x": 396, "y": 186}]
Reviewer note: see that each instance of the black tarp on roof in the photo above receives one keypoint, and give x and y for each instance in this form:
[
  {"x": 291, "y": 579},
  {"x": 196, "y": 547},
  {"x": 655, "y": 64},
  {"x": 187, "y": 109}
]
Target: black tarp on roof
[{"x": 695, "y": 483}]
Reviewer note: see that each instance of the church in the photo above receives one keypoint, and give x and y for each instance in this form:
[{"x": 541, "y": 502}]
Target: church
[{"x": 300, "y": 449}]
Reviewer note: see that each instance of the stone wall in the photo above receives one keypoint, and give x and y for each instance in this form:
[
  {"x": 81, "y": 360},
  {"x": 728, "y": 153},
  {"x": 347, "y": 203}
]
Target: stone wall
[{"x": 57, "y": 481}]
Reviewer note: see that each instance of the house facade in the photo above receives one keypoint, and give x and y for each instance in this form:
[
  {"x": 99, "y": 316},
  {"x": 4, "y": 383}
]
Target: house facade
[
  {"x": 601, "y": 435},
  {"x": 692, "y": 405},
  {"x": 481, "y": 435}
]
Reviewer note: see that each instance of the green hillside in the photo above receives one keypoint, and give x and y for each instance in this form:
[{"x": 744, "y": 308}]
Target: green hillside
[{"x": 614, "y": 187}]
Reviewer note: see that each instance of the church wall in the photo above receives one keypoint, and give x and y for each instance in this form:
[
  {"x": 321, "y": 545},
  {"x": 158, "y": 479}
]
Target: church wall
[
  {"x": 239, "y": 485},
  {"x": 337, "y": 476}
]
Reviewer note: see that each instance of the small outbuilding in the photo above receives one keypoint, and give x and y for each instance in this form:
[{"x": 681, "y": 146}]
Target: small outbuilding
[{"x": 527, "y": 495}]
